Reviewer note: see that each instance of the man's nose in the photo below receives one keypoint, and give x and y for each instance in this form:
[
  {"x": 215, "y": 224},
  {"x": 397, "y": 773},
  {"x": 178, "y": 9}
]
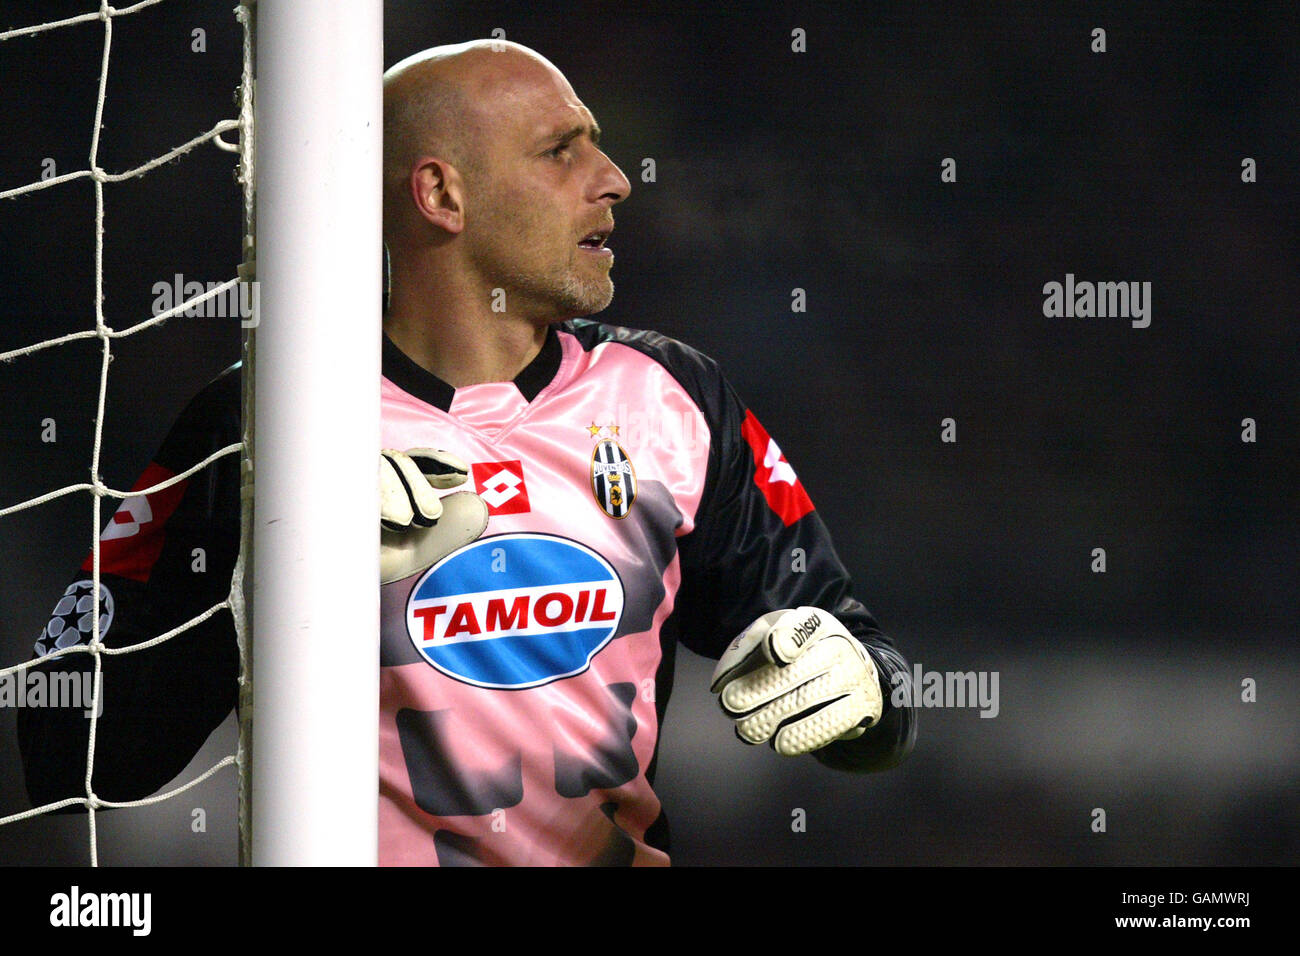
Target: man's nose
[{"x": 612, "y": 182}]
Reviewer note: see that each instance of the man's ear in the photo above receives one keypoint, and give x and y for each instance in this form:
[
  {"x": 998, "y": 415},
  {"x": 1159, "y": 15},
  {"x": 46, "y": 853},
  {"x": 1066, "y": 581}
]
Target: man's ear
[{"x": 438, "y": 193}]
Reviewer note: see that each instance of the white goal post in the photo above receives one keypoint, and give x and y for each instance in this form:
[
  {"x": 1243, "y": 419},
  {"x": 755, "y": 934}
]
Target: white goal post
[{"x": 311, "y": 584}]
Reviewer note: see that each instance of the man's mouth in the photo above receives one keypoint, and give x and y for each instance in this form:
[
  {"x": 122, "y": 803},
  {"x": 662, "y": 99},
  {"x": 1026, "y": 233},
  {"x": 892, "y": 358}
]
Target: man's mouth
[{"x": 595, "y": 240}]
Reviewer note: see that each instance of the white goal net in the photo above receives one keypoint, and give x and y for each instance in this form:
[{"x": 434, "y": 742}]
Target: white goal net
[{"x": 314, "y": 387}]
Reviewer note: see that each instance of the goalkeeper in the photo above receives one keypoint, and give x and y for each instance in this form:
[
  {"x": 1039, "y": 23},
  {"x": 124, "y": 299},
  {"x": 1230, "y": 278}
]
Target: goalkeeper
[{"x": 563, "y": 502}]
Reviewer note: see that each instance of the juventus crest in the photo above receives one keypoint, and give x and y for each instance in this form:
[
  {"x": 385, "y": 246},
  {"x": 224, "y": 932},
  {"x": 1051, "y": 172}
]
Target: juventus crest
[{"x": 613, "y": 479}]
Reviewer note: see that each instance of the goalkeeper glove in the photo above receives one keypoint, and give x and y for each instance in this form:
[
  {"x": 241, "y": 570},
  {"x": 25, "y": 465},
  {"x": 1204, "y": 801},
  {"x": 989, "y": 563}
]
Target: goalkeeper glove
[
  {"x": 799, "y": 679},
  {"x": 417, "y": 528}
]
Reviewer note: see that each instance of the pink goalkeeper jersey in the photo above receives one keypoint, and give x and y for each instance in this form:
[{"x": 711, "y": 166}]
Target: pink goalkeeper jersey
[
  {"x": 518, "y": 713},
  {"x": 633, "y": 501}
]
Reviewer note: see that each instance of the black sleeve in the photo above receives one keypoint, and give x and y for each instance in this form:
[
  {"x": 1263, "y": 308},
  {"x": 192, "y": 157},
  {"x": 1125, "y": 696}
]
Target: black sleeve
[
  {"x": 757, "y": 546},
  {"x": 164, "y": 558}
]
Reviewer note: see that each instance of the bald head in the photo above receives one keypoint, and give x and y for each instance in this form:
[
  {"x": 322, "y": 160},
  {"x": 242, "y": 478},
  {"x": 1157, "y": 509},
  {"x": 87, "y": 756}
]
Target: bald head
[
  {"x": 444, "y": 101},
  {"x": 494, "y": 183}
]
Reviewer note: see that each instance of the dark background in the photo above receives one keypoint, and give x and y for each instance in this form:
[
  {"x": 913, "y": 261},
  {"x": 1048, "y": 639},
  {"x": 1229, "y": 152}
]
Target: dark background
[{"x": 820, "y": 170}]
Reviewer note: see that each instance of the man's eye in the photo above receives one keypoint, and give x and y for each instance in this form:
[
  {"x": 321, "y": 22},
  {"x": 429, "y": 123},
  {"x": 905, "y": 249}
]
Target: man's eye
[{"x": 557, "y": 151}]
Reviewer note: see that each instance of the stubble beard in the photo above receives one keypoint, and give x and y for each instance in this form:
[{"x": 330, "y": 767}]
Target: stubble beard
[
  {"x": 560, "y": 293},
  {"x": 585, "y": 297},
  {"x": 544, "y": 291}
]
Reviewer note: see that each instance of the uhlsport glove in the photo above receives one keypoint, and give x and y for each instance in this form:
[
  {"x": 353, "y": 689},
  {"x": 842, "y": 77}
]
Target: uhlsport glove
[
  {"x": 417, "y": 527},
  {"x": 799, "y": 679}
]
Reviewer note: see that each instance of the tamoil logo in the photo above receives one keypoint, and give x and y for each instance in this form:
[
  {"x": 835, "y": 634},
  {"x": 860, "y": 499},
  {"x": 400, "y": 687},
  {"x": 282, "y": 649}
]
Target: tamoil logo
[{"x": 515, "y": 610}]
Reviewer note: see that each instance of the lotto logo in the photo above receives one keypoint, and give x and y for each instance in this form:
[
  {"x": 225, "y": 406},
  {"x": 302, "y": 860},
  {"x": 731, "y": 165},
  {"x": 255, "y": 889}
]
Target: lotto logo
[
  {"x": 501, "y": 485},
  {"x": 133, "y": 538},
  {"x": 515, "y": 610},
  {"x": 129, "y": 518},
  {"x": 773, "y": 474}
]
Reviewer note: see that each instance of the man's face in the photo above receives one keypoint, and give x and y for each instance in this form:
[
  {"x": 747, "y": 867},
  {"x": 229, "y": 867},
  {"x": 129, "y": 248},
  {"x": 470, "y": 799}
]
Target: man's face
[{"x": 544, "y": 187}]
